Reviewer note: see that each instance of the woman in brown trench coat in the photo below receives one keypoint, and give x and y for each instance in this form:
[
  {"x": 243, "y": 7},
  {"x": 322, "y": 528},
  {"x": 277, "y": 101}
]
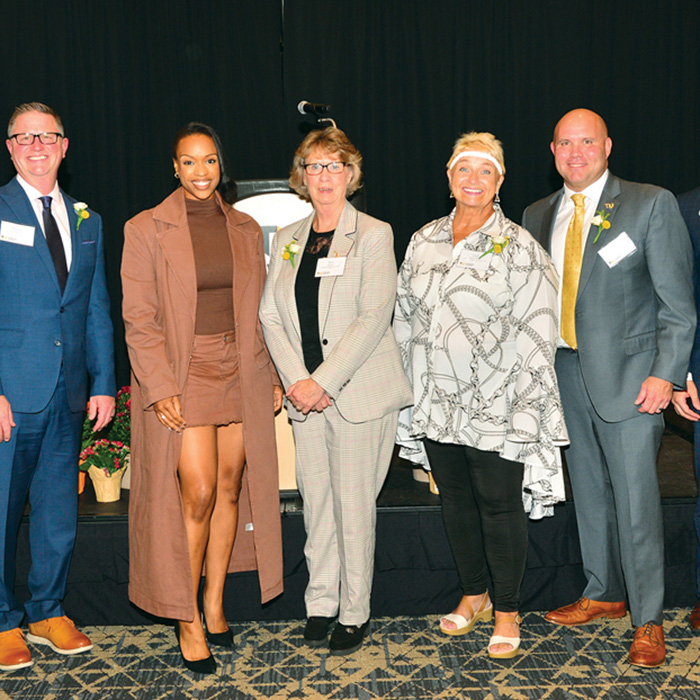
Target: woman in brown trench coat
[{"x": 190, "y": 493}]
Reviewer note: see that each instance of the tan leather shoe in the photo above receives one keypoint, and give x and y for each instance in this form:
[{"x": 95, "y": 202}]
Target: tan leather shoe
[
  {"x": 60, "y": 634},
  {"x": 695, "y": 616},
  {"x": 648, "y": 647},
  {"x": 13, "y": 651},
  {"x": 584, "y": 610}
]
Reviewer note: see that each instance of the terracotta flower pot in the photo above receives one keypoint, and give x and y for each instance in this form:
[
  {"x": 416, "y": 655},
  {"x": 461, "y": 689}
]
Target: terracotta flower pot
[
  {"x": 81, "y": 481},
  {"x": 107, "y": 488}
]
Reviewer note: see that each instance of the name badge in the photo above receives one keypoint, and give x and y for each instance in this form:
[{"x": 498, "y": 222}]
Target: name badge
[
  {"x": 16, "y": 233},
  {"x": 330, "y": 267},
  {"x": 617, "y": 250},
  {"x": 472, "y": 259}
]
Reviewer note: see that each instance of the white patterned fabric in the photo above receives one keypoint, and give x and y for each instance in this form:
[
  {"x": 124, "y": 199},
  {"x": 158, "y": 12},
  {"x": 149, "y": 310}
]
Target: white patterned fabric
[{"x": 477, "y": 327}]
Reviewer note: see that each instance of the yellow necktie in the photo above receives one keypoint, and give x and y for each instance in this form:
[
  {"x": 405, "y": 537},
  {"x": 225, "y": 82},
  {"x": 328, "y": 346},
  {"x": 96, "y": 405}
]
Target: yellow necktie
[{"x": 573, "y": 253}]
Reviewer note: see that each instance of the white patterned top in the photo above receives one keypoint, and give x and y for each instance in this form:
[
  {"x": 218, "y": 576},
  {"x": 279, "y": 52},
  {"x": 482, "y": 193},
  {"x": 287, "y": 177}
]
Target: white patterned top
[{"x": 477, "y": 327}]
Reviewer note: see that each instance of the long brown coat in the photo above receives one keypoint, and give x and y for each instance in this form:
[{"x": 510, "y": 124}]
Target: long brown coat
[{"x": 160, "y": 293}]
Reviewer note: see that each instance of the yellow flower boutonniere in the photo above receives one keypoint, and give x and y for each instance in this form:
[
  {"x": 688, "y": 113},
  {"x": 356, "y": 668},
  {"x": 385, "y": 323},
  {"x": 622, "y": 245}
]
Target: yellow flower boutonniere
[
  {"x": 601, "y": 220},
  {"x": 81, "y": 209},
  {"x": 290, "y": 250},
  {"x": 498, "y": 243}
]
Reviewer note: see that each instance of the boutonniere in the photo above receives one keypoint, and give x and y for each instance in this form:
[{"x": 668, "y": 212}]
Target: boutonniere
[
  {"x": 601, "y": 219},
  {"x": 290, "y": 250},
  {"x": 498, "y": 243},
  {"x": 81, "y": 209}
]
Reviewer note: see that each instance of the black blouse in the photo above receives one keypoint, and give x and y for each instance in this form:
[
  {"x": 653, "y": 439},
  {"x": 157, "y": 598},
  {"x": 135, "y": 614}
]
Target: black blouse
[{"x": 306, "y": 295}]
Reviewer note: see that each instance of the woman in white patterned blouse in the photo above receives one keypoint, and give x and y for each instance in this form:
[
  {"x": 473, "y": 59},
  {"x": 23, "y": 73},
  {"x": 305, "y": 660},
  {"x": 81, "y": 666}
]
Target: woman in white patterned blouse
[{"x": 476, "y": 322}]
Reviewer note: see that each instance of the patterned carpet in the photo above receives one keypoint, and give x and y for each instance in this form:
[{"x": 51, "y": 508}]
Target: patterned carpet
[{"x": 405, "y": 658}]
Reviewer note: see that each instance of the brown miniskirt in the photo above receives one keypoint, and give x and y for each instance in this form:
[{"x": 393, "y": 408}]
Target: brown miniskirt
[{"x": 212, "y": 394}]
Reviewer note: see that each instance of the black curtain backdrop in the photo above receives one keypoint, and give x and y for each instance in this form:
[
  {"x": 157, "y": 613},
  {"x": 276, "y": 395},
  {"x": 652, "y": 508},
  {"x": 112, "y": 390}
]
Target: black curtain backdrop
[{"x": 405, "y": 78}]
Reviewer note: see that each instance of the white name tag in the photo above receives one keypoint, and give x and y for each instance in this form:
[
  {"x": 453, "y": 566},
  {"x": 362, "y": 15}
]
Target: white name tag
[
  {"x": 473, "y": 259},
  {"x": 617, "y": 250},
  {"x": 330, "y": 267},
  {"x": 16, "y": 233}
]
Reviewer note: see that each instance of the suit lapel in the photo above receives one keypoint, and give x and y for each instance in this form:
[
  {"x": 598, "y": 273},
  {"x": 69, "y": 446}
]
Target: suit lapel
[
  {"x": 19, "y": 204},
  {"x": 243, "y": 253},
  {"x": 549, "y": 218},
  {"x": 75, "y": 238},
  {"x": 341, "y": 245},
  {"x": 174, "y": 239},
  {"x": 610, "y": 193},
  {"x": 288, "y": 273}
]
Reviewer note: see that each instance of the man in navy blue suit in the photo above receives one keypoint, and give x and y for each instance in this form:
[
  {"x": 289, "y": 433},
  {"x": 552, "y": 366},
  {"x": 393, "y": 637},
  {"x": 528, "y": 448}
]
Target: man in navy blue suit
[
  {"x": 56, "y": 349},
  {"x": 685, "y": 401}
]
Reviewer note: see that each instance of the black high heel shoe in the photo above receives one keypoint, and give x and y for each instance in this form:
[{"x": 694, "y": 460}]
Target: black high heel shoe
[
  {"x": 218, "y": 639},
  {"x": 202, "y": 666}
]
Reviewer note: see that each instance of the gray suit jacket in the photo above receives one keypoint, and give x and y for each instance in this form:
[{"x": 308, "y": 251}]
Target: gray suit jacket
[
  {"x": 362, "y": 370},
  {"x": 636, "y": 319}
]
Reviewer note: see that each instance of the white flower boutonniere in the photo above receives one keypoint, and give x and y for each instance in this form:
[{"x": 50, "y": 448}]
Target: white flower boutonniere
[
  {"x": 290, "y": 250},
  {"x": 601, "y": 219},
  {"x": 498, "y": 243},
  {"x": 81, "y": 209}
]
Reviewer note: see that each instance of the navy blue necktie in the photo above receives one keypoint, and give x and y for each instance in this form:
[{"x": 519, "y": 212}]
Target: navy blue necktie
[{"x": 53, "y": 238}]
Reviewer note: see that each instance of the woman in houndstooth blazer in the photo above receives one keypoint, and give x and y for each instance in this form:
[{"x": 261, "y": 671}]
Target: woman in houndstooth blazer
[{"x": 326, "y": 314}]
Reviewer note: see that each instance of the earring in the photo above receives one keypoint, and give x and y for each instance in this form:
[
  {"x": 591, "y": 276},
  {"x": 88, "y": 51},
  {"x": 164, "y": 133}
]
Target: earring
[
  {"x": 451, "y": 196},
  {"x": 176, "y": 174},
  {"x": 496, "y": 202}
]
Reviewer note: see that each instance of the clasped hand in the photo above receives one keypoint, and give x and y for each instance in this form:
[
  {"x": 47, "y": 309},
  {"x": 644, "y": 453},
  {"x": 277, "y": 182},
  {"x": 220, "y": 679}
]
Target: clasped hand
[{"x": 306, "y": 395}]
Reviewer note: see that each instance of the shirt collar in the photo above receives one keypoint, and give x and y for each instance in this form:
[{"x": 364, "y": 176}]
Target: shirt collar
[
  {"x": 592, "y": 192},
  {"x": 33, "y": 193}
]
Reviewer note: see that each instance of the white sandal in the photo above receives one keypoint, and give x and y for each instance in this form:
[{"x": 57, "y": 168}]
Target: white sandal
[
  {"x": 462, "y": 624},
  {"x": 512, "y": 641}
]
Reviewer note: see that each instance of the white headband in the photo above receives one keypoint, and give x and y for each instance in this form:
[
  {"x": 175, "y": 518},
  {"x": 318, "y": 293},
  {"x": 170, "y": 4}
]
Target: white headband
[{"x": 475, "y": 154}]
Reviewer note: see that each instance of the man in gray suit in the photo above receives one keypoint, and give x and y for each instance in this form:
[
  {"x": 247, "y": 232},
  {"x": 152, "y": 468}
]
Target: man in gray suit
[{"x": 627, "y": 328}]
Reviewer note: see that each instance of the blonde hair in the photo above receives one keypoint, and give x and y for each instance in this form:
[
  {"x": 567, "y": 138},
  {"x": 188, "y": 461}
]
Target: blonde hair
[
  {"x": 478, "y": 141},
  {"x": 331, "y": 140}
]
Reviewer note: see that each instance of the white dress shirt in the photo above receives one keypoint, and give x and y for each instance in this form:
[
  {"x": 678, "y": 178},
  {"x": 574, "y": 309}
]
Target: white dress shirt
[
  {"x": 592, "y": 193},
  {"x": 58, "y": 209}
]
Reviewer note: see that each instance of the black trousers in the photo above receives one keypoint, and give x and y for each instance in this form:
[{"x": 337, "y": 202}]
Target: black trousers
[{"x": 486, "y": 525}]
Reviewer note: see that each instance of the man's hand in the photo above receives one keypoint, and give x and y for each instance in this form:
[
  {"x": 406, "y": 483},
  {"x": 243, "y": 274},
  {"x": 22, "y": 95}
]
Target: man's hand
[
  {"x": 654, "y": 396},
  {"x": 6, "y": 420},
  {"x": 680, "y": 402},
  {"x": 101, "y": 410}
]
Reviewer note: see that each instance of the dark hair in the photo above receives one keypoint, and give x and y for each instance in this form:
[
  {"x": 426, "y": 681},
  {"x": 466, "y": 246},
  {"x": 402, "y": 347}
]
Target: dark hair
[{"x": 227, "y": 188}]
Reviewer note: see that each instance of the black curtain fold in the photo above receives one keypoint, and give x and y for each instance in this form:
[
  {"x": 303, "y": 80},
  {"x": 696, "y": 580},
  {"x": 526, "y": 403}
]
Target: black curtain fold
[{"x": 405, "y": 78}]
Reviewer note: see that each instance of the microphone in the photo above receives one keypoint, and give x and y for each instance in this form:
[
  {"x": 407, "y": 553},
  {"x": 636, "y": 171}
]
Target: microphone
[{"x": 315, "y": 108}]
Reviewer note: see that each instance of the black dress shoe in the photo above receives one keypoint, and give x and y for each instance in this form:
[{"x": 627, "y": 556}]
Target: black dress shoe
[
  {"x": 347, "y": 638},
  {"x": 316, "y": 630},
  {"x": 203, "y": 666}
]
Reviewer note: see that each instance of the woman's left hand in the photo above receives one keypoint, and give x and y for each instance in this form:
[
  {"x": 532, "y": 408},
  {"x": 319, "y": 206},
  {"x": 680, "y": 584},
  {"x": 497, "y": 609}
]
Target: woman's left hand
[
  {"x": 305, "y": 395},
  {"x": 278, "y": 396}
]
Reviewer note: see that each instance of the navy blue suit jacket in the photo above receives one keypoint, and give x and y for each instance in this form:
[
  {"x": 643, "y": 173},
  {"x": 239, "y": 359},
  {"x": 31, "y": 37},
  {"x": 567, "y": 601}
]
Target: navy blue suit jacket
[
  {"x": 42, "y": 330},
  {"x": 690, "y": 209}
]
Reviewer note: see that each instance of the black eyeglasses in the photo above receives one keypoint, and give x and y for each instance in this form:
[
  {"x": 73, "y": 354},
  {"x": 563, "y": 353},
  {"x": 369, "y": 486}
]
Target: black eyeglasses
[
  {"x": 48, "y": 138},
  {"x": 333, "y": 167}
]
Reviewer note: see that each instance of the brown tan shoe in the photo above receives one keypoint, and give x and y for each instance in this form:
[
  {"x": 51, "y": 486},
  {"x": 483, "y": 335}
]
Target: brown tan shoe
[
  {"x": 14, "y": 653},
  {"x": 585, "y": 610},
  {"x": 695, "y": 616},
  {"x": 60, "y": 634},
  {"x": 648, "y": 648}
]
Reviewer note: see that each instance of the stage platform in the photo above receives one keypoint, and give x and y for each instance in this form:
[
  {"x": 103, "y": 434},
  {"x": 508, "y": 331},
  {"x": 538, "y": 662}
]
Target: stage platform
[{"x": 414, "y": 574}]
